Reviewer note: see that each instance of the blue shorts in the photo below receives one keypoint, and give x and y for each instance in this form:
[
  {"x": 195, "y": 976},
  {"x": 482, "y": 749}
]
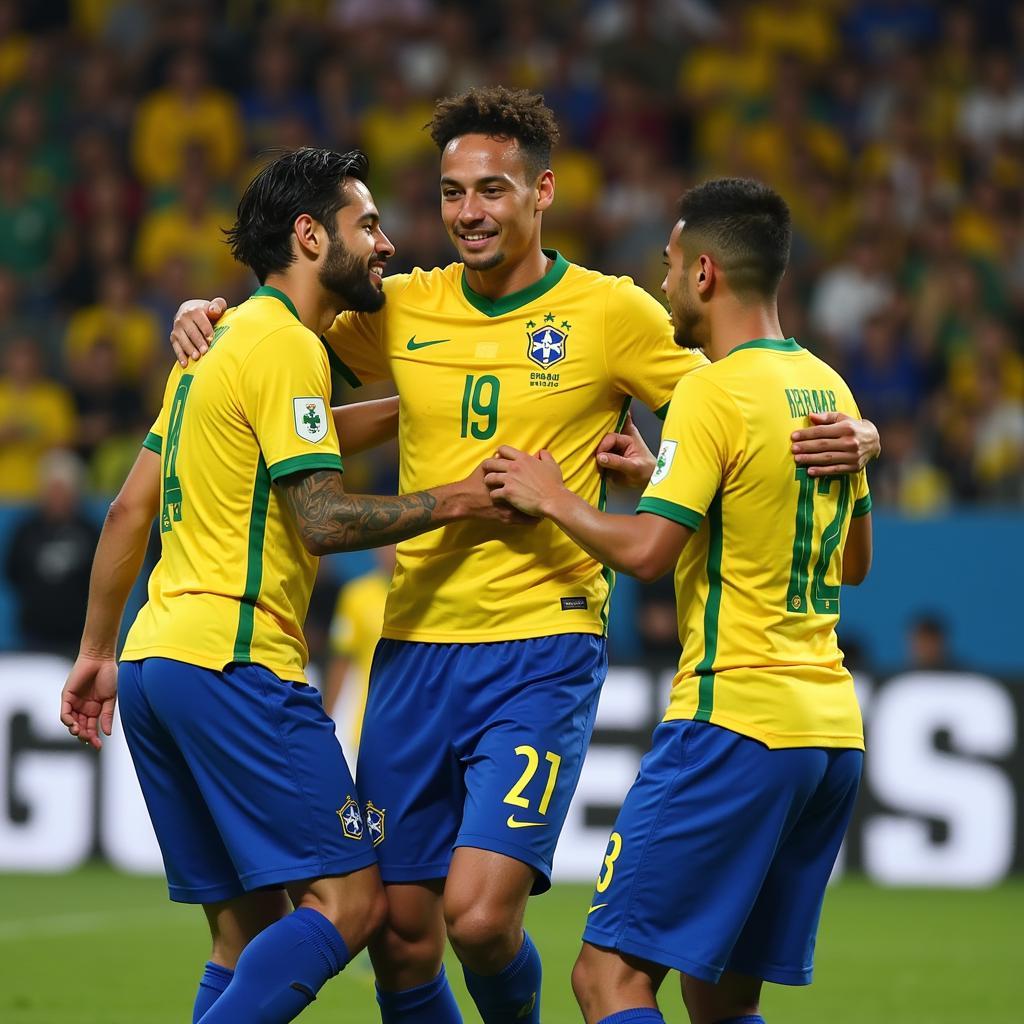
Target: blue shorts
[
  {"x": 244, "y": 779},
  {"x": 475, "y": 745},
  {"x": 721, "y": 853}
]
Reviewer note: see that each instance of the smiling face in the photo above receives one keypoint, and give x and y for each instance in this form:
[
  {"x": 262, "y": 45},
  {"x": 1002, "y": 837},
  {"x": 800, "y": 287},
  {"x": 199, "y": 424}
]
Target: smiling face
[
  {"x": 490, "y": 203},
  {"x": 353, "y": 266}
]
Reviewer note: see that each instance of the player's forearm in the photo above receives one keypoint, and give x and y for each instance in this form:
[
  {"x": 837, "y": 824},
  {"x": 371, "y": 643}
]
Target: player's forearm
[
  {"x": 620, "y": 542},
  {"x": 366, "y": 424},
  {"x": 115, "y": 567},
  {"x": 330, "y": 520}
]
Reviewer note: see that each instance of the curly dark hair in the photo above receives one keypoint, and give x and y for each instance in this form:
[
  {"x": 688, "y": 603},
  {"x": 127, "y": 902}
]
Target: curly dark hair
[
  {"x": 499, "y": 113},
  {"x": 302, "y": 181}
]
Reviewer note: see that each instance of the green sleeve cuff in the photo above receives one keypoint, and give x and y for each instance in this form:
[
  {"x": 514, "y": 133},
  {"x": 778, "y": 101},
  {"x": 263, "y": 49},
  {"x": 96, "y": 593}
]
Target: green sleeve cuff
[
  {"x": 663, "y": 411},
  {"x": 339, "y": 367},
  {"x": 154, "y": 442},
  {"x": 304, "y": 463},
  {"x": 862, "y": 506},
  {"x": 670, "y": 510}
]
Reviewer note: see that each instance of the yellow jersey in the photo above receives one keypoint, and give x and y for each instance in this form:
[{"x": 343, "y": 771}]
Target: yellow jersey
[
  {"x": 758, "y": 584},
  {"x": 552, "y": 366},
  {"x": 234, "y": 580}
]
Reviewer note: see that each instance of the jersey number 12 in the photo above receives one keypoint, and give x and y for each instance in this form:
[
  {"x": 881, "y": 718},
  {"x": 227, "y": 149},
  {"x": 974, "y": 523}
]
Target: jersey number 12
[{"x": 824, "y": 598}]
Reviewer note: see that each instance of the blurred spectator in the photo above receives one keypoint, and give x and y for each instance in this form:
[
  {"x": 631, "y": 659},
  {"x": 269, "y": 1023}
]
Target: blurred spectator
[
  {"x": 190, "y": 231},
  {"x": 28, "y": 223},
  {"x": 275, "y": 95},
  {"x": 393, "y": 130},
  {"x": 49, "y": 559},
  {"x": 186, "y": 116},
  {"x": 120, "y": 322},
  {"x": 36, "y": 415},
  {"x": 106, "y": 406},
  {"x": 928, "y": 643},
  {"x": 994, "y": 108}
]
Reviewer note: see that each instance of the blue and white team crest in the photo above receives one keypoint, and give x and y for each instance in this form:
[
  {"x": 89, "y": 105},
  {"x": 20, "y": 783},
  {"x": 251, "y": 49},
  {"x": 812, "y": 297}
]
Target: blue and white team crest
[
  {"x": 375, "y": 823},
  {"x": 351, "y": 820},
  {"x": 546, "y": 345}
]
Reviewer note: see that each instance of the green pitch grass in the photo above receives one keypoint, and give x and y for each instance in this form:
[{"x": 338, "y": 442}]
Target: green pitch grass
[{"x": 95, "y": 947}]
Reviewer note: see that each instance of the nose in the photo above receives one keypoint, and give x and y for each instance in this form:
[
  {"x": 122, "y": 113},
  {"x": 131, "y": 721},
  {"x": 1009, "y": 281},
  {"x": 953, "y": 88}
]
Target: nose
[
  {"x": 664, "y": 285},
  {"x": 470, "y": 210},
  {"x": 384, "y": 247}
]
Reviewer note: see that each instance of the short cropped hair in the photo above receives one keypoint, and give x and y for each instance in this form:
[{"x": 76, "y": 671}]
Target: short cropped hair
[
  {"x": 745, "y": 226},
  {"x": 500, "y": 113},
  {"x": 301, "y": 181}
]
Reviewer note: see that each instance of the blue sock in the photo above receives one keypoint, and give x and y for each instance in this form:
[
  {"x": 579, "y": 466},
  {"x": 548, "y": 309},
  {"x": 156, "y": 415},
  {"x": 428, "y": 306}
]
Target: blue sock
[
  {"x": 754, "y": 1018},
  {"x": 214, "y": 980},
  {"x": 638, "y": 1016},
  {"x": 280, "y": 972},
  {"x": 512, "y": 995},
  {"x": 433, "y": 1003}
]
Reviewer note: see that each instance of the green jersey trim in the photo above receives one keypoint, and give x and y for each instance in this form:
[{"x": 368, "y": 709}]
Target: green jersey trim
[
  {"x": 266, "y": 291},
  {"x": 339, "y": 366},
  {"x": 862, "y": 506},
  {"x": 706, "y": 692},
  {"x": 154, "y": 442},
  {"x": 772, "y": 344},
  {"x": 663, "y": 411},
  {"x": 254, "y": 568},
  {"x": 510, "y": 303},
  {"x": 670, "y": 510},
  {"x": 602, "y": 500},
  {"x": 302, "y": 463}
]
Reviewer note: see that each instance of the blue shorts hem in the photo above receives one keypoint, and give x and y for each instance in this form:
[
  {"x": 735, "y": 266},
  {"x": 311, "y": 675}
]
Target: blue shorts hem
[
  {"x": 521, "y": 853},
  {"x": 204, "y": 893},
  {"x": 397, "y": 873},
  {"x": 654, "y": 954},
  {"x": 775, "y": 973},
  {"x": 297, "y": 872}
]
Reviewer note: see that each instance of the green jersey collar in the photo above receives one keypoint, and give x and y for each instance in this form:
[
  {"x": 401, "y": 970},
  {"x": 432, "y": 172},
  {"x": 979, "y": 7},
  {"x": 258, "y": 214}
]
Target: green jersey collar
[
  {"x": 274, "y": 293},
  {"x": 772, "y": 344},
  {"x": 510, "y": 303}
]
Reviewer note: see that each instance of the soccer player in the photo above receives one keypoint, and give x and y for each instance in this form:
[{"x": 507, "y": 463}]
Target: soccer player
[
  {"x": 718, "y": 861},
  {"x": 493, "y": 644},
  {"x": 245, "y": 783}
]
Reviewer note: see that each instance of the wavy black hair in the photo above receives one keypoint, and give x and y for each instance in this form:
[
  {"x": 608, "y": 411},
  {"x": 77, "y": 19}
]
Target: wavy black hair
[
  {"x": 300, "y": 181},
  {"x": 745, "y": 226},
  {"x": 500, "y": 113}
]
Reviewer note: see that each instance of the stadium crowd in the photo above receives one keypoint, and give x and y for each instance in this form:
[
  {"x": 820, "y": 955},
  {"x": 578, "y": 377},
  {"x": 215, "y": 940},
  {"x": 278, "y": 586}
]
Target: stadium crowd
[{"x": 894, "y": 128}]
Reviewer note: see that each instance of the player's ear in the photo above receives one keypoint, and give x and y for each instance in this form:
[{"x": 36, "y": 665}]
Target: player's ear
[
  {"x": 305, "y": 230},
  {"x": 704, "y": 269},
  {"x": 545, "y": 190}
]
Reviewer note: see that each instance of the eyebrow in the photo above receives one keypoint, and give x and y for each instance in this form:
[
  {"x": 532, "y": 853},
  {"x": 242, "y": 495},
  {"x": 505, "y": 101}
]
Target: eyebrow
[
  {"x": 370, "y": 217},
  {"x": 503, "y": 179}
]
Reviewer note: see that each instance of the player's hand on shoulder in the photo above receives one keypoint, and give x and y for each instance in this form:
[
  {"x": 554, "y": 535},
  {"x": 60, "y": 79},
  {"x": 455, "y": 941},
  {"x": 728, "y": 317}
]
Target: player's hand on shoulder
[
  {"x": 624, "y": 457},
  {"x": 193, "y": 327},
  {"x": 525, "y": 481},
  {"x": 835, "y": 444},
  {"x": 88, "y": 699}
]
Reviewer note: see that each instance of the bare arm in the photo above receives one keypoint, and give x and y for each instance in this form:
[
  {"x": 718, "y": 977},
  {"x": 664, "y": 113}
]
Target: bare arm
[
  {"x": 365, "y": 425},
  {"x": 646, "y": 546},
  {"x": 87, "y": 702},
  {"x": 857, "y": 551},
  {"x": 330, "y": 520}
]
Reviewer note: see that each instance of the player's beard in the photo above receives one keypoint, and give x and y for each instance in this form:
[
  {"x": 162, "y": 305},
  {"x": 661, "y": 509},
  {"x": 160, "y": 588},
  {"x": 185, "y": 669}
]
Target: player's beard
[
  {"x": 348, "y": 277},
  {"x": 686, "y": 320}
]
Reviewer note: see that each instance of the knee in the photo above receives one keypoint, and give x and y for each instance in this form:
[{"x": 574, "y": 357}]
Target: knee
[
  {"x": 480, "y": 931},
  {"x": 358, "y": 913}
]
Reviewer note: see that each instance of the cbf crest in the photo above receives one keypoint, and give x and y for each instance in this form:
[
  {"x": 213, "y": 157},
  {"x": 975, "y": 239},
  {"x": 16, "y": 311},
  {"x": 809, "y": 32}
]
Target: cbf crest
[
  {"x": 546, "y": 343},
  {"x": 375, "y": 823},
  {"x": 351, "y": 820}
]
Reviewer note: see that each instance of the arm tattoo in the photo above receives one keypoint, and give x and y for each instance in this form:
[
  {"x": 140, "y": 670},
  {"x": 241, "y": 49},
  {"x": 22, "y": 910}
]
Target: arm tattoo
[{"x": 335, "y": 521}]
